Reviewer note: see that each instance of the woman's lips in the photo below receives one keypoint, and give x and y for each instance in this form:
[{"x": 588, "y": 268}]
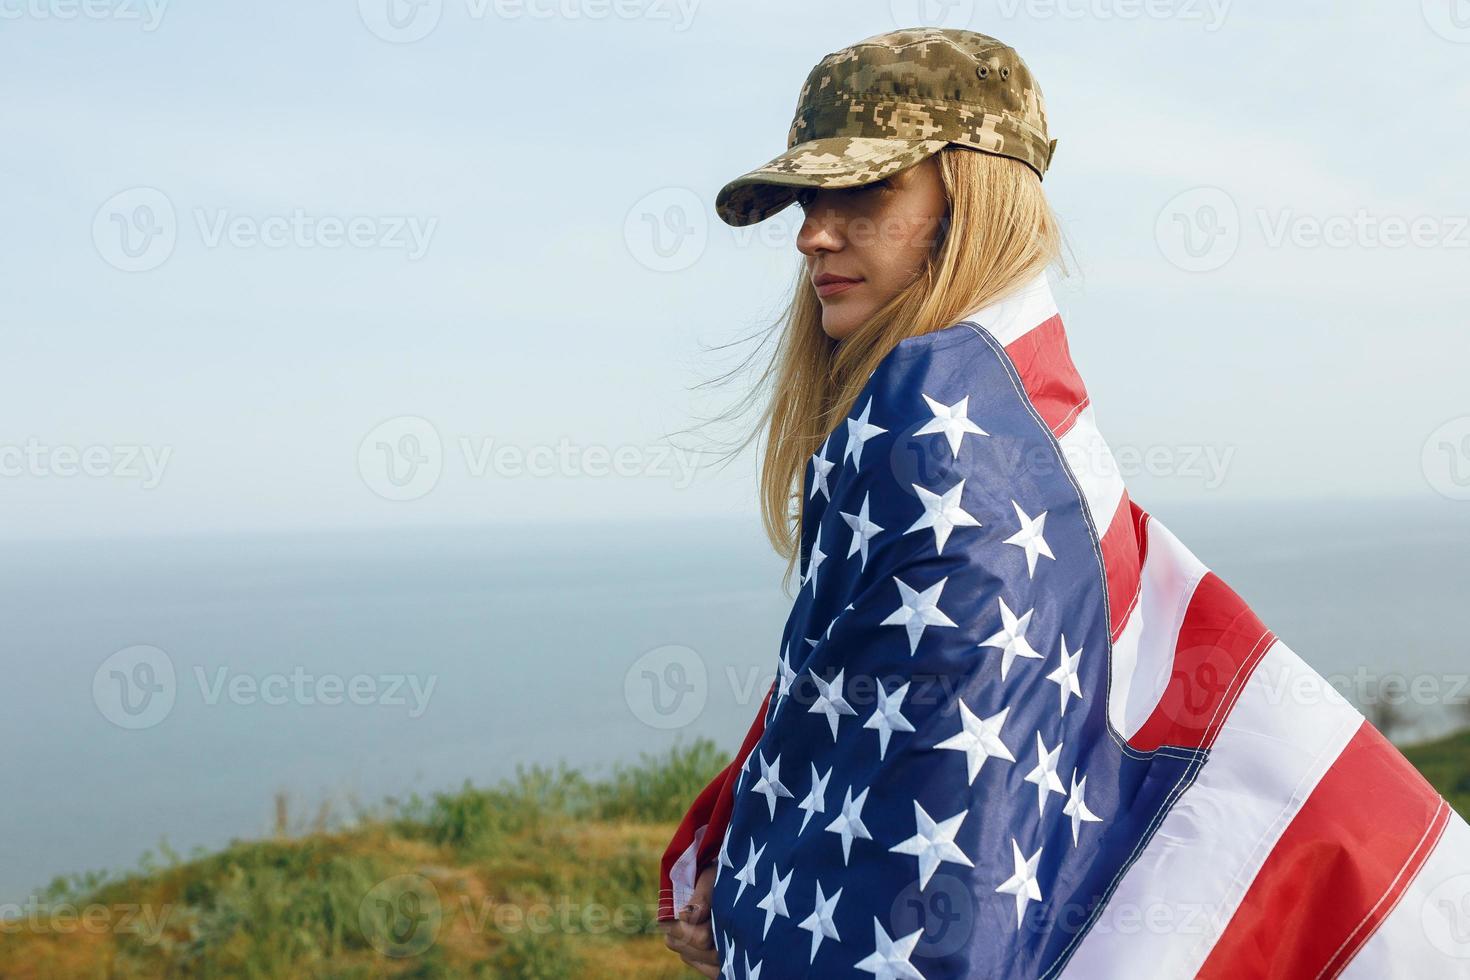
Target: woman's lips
[{"x": 831, "y": 288}]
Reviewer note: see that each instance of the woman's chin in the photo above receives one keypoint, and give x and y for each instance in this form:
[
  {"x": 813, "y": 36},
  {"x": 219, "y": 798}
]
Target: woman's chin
[{"x": 838, "y": 322}]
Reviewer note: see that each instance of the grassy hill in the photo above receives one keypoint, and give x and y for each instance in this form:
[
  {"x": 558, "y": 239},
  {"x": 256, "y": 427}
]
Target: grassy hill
[{"x": 547, "y": 875}]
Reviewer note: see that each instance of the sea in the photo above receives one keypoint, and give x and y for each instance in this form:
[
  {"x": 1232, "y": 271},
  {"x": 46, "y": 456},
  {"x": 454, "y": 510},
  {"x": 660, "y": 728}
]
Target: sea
[{"x": 172, "y": 693}]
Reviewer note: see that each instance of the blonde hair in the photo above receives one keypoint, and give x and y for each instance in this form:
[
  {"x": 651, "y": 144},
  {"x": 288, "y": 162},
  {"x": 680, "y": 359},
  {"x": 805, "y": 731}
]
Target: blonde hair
[{"x": 999, "y": 234}]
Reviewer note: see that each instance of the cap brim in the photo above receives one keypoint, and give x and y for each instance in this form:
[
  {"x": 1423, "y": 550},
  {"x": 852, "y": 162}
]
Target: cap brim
[{"x": 838, "y": 161}]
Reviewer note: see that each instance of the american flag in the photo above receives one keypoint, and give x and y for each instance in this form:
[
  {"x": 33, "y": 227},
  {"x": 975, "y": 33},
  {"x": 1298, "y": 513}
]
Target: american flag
[{"x": 1018, "y": 729}]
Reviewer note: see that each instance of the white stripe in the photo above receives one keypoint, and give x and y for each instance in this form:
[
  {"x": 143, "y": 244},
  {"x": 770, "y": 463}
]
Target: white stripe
[
  {"x": 1173, "y": 904},
  {"x": 1018, "y": 313},
  {"x": 681, "y": 873},
  {"x": 1143, "y": 654},
  {"x": 1092, "y": 463},
  {"x": 1428, "y": 933}
]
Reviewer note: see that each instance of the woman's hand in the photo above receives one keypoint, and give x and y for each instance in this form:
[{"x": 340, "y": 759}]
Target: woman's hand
[{"x": 690, "y": 935}]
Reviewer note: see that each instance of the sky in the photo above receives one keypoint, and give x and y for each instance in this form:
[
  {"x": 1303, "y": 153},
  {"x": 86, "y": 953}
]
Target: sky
[{"x": 287, "y": 266}]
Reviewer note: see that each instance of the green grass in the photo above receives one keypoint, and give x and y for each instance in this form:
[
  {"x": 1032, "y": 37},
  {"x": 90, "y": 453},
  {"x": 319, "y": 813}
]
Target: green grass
[
  {"x": 1445, "y": 763},
  {"x": 580, "y": 853},
  {"x": 479, "y": 864}
]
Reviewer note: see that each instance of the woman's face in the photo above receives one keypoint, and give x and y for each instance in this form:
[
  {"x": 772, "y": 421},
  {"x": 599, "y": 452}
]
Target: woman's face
[{"x": 872, "y": 239}]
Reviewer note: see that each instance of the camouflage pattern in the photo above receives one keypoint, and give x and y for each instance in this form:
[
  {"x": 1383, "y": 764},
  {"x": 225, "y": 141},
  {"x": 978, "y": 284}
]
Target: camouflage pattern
[{"x": 885, "y": 103}]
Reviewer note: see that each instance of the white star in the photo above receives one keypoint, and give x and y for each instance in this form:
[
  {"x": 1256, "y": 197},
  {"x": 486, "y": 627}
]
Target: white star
[
  {"x": 820, "y": 923},
  {"x": 888, "y": 718},
  {"x": 744, "y": 768},
  {"x": 786, "y": 678},
  {"x": 1045, "y": 774},
  {"x": 746, "y": 875},
  {"x": 859, "y": 431},
  {"x": 727, "y": 969},
  {"x": 863, "y": 531},
  {"x": 813, "y": 563},
  {"x": 1065, "y": 676},
  {"x": 933, "y": 842},
  {"x": 821, "y": 466},
  {"x": 725, "y": 861},
  {"x": 1011, "y": 638},
  {"x": 890, "y": 957},
  {"x": 1022, "y": 884},
  {"x": 979, "y": 739},
  {"x": 774, "y": 903},
  {"x": 829, "y": 703},
  {"x": 918, "y": 611},
  {"x": 943, "y": 513},
  {"x": 816, "y": 800},
  {"x": 1029, "y": 538},
  {"x": 769, "y": 785},
  {"x": 752, "y": 972},
  {"x": 952, "y": 420},
  {"x": 1076, "y": 807},
  {"x": 849, "y": 822},
  {"x": 846, "y": 608}
]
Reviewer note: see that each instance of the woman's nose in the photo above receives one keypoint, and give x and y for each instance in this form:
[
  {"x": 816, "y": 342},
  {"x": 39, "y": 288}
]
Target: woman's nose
[{"x": 821, "y": 229}]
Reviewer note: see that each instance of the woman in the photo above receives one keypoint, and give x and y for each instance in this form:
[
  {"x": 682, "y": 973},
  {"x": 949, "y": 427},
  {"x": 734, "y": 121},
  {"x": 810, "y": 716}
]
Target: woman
[{"x": 1012, "y": 713}]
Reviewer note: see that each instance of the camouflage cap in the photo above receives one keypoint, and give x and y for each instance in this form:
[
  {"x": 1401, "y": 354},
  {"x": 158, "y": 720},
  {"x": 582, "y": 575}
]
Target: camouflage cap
[{"x": 885, "y": 103}]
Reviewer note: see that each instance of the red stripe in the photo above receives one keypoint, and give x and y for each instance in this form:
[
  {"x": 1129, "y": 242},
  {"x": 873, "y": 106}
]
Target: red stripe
[
  {"x": 1051, "y": 380},
  {"x": 711, "y": 809},
  {"x": 1337, "y": 871},
  {"x": 1123, "y": 546},
  {"x": 1219, "y": 644}
]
